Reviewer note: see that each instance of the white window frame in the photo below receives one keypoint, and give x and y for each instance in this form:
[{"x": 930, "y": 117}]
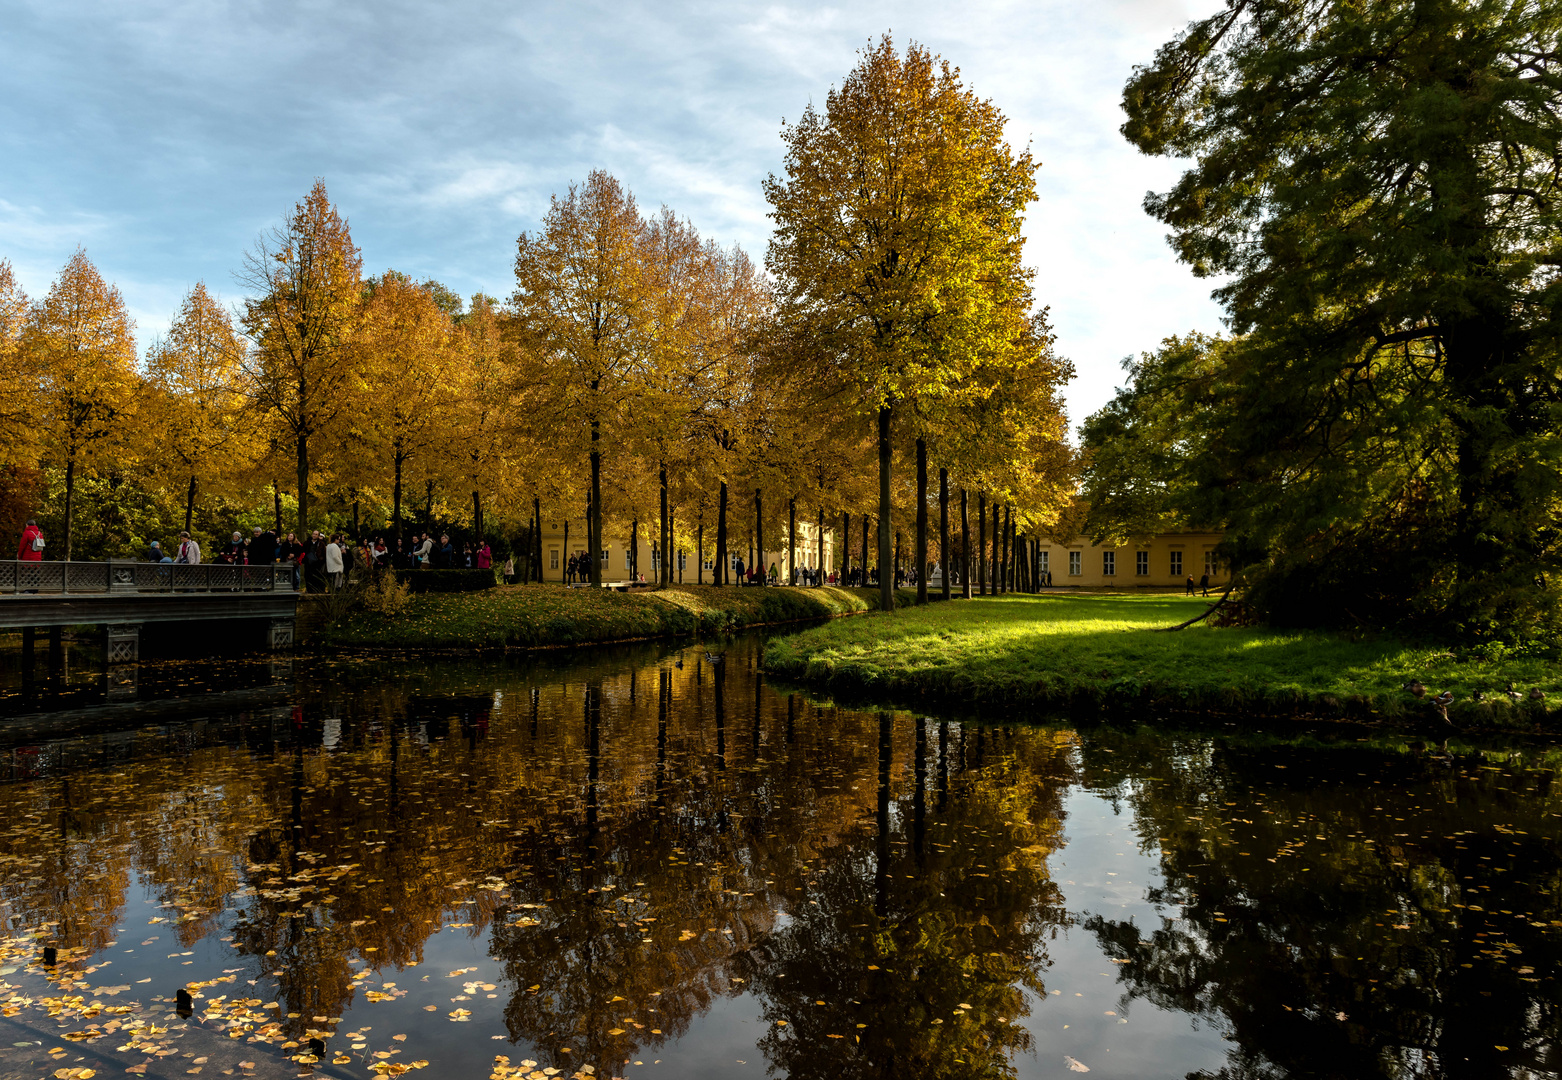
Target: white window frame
[
  {"x": 1142, "y": 563},
  {"x": 553, "y": 558},
  {"x": 1076, "y": 563},
  {"x": 1176, "y": 563},
  {"x": 605, "y": 554},
  {"x": 1209, "y": 563},
  {"x": 1044, "y": 555},
  {"x": 1109, "y": 563}
]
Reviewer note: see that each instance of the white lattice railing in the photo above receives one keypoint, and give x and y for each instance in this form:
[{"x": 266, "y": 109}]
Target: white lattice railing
[{"x": 122, "y": 576}]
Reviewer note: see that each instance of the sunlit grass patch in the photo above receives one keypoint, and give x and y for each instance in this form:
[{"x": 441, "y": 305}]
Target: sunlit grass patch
[{"x": 1072, "y": 649}]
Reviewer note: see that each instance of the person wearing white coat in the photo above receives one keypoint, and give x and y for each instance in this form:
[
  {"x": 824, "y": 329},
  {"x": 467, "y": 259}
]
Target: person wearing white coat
[{"x": 333, "y": 563}]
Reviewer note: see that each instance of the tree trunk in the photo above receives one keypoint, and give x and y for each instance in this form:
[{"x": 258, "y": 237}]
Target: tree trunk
[
  {"x": 943, "y": 529},
  {"x": 537, "y": 540},
  {"x": 897, "y": 556},
  {"x": 965, "y": 547},
  {"x": 1009, "y": 583},
  {"x": 189, "y": 504},
  {"x": 276, "y": 507},
  {"x": 981, "y": 542},
  {"x": 759, "y": 531},
  {"x": 564, "y": 566},
  {"x": 672, "y": 549},
  {"x": 303, "y": 488},
  {"x": 791, "y": 542},
  {"x": 634, "y": 549},
  {"x": 886, "y": 581},
  {"x": 357, "y": 532},
  {"x": 721, "y": 576},
  {"x": 997, "y": 546},
  {"x": 664, "y": 577},
  {"x": 699, "y": 554},
  {"x": 821, "y": 567},
  {"x": 596, "y": 504},
  {"x": 1002, "y": 525},
  {"x": 865, "y": 530},
  {"x": 922, "y": 521},
  {"x": 70, "y": 501},
  {"x": 477, "y": 516},
  {"x": 846, "y": 545},
  {"x": 396, "y": 497}
]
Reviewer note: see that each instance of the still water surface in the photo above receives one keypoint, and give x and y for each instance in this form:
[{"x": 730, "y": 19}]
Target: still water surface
[{"x": 640, "y": 863}]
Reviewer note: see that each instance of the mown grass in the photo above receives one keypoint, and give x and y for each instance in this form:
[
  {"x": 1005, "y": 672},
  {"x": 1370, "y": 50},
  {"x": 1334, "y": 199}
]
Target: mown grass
[
  {"x": 531, "y": 616},
  {"x": 1102, "y": 650}
]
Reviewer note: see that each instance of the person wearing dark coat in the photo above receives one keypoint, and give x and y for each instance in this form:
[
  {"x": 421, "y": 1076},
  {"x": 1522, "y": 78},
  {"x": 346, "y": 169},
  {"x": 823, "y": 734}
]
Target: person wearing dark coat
[{"x": 262, "y": 547}]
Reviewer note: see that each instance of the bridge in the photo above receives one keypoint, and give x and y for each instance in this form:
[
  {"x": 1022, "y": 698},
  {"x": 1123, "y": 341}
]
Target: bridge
[{"x": 122, "y": 596}]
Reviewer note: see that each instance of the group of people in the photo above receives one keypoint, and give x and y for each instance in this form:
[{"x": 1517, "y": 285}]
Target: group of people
[{"x": 332, "y": 554}]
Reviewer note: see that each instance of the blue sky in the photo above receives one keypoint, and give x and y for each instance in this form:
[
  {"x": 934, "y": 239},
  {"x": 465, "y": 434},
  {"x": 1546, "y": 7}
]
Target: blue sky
[{"x": 163, "y": 137}]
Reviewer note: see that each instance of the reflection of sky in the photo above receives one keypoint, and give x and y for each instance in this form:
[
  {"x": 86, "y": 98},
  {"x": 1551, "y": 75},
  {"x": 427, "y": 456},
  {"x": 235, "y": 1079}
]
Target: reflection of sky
[
  {"x": 164, "y": 136},
  {"x": 1103, "y": 872}
]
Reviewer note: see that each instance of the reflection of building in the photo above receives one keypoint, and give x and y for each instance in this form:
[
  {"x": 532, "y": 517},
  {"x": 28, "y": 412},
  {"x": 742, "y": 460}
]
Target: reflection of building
[
  {"x": 1167, "y": 559},
  {"x": 618, "y": 560}
]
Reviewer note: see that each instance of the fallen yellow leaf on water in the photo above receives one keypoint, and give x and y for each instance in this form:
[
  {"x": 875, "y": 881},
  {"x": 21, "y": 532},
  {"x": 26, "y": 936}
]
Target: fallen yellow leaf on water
[
  {"x": 399, "y": 1038},
  {"x": 1075, "y": 1066}
]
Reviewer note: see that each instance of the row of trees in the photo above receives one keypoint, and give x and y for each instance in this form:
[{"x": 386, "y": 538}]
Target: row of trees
[
  {"x": 639, "y": 372},
  {"x": 1377, "y": 187}
]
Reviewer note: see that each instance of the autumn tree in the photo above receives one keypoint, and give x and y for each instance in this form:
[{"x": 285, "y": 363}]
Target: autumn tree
[
  {"x": 490, "y": 403},
  {"x": 897, "y": 240},
  {"x": 194, "y": 375},
  {"x": 80, "y": 342},
  {"x": 582, "y": 313},
  {"x": 18, "y": 380},
  {"x": 305, "y": 281},
  {"x": 405, "y": 345}
]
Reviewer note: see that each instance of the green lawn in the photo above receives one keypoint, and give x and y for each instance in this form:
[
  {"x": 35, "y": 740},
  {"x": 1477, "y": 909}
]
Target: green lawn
[
  {"x": 544, "y": 615},
  {"x": 1072, "y": 649}
]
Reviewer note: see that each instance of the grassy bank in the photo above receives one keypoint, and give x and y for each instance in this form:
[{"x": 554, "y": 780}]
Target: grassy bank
[
  {"x": 1068, "y": 651},
  {"x": 530, "y": 616}
]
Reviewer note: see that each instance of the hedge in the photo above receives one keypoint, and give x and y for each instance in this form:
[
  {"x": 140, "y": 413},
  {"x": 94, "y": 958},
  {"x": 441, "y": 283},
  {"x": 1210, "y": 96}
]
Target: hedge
[{"x": 447, "y": 581}]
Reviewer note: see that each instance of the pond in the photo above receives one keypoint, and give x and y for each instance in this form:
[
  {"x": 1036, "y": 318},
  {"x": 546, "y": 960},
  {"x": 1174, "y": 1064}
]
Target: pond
[{"x": 647, "y": 861}]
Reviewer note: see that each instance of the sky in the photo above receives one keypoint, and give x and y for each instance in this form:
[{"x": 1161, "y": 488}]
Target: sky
[{"x": 163, "y": 137}]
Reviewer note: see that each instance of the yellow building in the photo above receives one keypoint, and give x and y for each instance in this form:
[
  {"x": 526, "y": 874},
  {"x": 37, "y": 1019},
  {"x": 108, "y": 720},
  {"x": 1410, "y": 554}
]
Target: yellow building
[
  {"x": 618, "y": 560},
  {"x": 1160, "y": 562}
]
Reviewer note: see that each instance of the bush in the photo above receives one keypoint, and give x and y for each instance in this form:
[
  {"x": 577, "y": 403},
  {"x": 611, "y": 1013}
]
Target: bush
[
  {"x": 447, "y": 581},
  {"x": 385, "y": 595}
]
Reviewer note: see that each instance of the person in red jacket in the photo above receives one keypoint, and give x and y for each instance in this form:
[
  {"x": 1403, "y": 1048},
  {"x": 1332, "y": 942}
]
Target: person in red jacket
[{"x": 31, "y": 547}]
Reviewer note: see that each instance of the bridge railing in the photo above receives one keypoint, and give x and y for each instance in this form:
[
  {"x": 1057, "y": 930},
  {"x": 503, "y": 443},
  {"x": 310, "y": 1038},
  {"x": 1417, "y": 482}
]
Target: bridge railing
[{"x": 122, "y": 576}]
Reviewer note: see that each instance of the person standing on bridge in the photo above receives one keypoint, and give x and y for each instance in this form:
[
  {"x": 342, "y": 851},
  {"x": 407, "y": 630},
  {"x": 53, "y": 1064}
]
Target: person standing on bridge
[
  {"x": 262, "y": 547},
  {"x": 189, "y": 550},
  {"x": 31, "y": 547}
]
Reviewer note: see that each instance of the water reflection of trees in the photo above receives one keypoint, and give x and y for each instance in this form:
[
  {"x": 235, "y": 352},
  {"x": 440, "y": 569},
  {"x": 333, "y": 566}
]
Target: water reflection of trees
[
  {"x": 1339, "y": 916},
  {"x": 635, "y": 841}
]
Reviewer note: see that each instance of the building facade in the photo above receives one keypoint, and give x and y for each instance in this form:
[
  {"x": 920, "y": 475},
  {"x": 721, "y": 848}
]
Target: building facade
[{"x": 1159, "y": 562}]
